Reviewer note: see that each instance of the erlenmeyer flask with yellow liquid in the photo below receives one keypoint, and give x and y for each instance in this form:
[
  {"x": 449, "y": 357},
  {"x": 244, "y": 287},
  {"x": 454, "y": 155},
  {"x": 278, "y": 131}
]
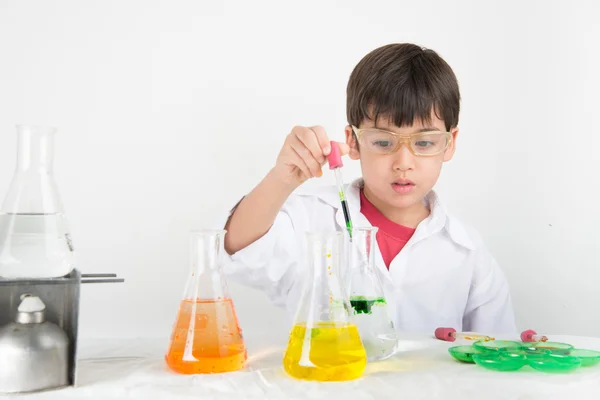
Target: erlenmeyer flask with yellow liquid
[
  {"x": 324, "y": 343},
  {"x": 206, "y": 336}
]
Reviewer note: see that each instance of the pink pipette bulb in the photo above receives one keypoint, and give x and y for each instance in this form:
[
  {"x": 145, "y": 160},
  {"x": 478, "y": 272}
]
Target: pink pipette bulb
[
  {"x": 335, "y": 157},
  {"x": 446, "y": 334},
  {"x": 531, "y": 336}
]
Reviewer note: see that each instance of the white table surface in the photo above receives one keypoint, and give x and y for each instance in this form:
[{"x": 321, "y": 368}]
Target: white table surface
[{"x": 422, "y": 369}]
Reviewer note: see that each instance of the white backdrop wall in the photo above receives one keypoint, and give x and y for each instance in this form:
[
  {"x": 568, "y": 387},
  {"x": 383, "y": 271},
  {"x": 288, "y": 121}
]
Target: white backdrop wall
[{"x": 169, "y": 111}]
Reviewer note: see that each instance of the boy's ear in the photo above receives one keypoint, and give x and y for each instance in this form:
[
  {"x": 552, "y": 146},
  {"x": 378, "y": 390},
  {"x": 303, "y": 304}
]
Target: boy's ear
[
  {"x": 452, "y": 148},
  {"x": 351, "y": 141}
]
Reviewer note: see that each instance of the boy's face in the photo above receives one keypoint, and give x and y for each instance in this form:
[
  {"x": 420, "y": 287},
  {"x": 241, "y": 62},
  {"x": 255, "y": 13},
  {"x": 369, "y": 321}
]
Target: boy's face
[{"x": 399, "y": 180}]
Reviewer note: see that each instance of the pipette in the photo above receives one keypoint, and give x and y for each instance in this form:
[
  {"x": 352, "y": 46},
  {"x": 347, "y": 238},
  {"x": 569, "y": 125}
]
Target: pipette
[
  {"x": 335, "y": 163},
  {"x": 450, "y": 335},
  {"x": 531, "y": 336}
]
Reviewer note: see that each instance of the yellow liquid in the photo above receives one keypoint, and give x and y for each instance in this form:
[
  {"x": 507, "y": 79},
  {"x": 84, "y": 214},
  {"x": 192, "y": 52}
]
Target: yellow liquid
[{"x": 336, "y": 353}]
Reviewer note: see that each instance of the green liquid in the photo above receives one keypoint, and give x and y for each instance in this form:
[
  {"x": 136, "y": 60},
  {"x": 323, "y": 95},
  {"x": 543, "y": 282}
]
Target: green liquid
[{"x": 362, "y": 305}]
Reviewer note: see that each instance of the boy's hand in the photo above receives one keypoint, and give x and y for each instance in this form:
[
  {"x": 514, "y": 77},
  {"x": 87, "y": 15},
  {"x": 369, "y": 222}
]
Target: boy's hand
[{"x": 304, "y": 152}]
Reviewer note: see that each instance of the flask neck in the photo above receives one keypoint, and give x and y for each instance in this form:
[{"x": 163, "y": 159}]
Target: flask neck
[
  {"x": 324, "y": 252},
  {"x": 324, "y": 256},
  {"x": 363, "y": 247},
  {"x": 324, "y": 298},
  {"x": 206, "y": 280},
  {"x": 205, "y": 247},
  {"x": 35, "y": 149}
]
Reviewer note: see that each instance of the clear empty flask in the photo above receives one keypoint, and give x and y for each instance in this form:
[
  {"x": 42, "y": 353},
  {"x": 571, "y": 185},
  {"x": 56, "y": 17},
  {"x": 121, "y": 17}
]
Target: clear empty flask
[
  {"x": 324, "y": 343},
  {"x": 206, "y": 336},
  {"x": 34, "y": 233},
  {"x": 371, "y": 312}
]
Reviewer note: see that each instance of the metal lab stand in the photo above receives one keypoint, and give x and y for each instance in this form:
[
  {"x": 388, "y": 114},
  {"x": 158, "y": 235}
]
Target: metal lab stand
[{"x": 61, "y": 297}]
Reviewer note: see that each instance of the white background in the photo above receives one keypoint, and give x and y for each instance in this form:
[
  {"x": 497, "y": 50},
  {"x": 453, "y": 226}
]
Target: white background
[{"x": 169, "y": 111}]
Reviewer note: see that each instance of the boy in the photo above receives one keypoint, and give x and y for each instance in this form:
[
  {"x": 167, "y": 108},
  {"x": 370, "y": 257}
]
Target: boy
[{"x": 402, "y": 109}]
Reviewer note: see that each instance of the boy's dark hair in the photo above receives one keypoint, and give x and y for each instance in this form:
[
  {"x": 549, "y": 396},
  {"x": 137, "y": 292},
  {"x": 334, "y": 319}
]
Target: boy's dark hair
[{"x": 404, "y": 82}]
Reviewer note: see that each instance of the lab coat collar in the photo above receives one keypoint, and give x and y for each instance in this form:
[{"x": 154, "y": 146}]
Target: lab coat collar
[{"x": 438, "y": 220}]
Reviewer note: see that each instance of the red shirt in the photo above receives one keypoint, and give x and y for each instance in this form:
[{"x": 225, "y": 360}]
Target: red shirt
[{"x": 391, "y": 237}]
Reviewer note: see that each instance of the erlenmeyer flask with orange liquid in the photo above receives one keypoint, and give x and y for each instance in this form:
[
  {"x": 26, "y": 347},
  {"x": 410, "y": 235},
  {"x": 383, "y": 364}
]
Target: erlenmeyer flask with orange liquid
[
  {"x": 324, "y": 344},
  {"x": 206, "y": 336}
]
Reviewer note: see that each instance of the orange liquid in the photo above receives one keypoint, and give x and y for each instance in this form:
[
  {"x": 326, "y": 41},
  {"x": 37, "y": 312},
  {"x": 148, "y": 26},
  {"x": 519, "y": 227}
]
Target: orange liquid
[{"x": 215, "y": 342}]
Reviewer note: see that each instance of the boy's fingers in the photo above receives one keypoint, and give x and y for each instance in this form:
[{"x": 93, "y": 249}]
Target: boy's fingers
[
  {"x": 344, "y": 150},
  {"x": 309, "y": 139},
  {"x": 307, "y": 156},
  {"x": 298, "y": 161},
  {"x": 322, "y": 138}
]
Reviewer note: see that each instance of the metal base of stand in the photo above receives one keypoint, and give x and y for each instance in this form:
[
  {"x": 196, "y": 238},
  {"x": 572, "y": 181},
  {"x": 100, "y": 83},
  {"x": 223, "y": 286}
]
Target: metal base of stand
[{"x": 61, "y": 297}]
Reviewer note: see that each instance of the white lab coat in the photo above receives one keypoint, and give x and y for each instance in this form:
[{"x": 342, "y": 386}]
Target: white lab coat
[{"x": 443, "y": 277}]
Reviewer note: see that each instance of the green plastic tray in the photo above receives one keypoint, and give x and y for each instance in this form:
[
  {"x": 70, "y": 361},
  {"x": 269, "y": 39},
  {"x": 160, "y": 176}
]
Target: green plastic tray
[
  {"x": 554, "y": 363},
  {"x": 495, "y": 346},
  {"x": 588, "y": 357},
  {"x": 500, "y": 361},
  {"x": 463, "y": 353},
  {"x": 552, "y": 347}
]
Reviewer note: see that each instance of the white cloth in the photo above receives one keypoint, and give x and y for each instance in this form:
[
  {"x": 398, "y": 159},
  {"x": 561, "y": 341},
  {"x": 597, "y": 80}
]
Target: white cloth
[
  {"x": 422, "y": 369},
  {"x": 443, "y": 277}
]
